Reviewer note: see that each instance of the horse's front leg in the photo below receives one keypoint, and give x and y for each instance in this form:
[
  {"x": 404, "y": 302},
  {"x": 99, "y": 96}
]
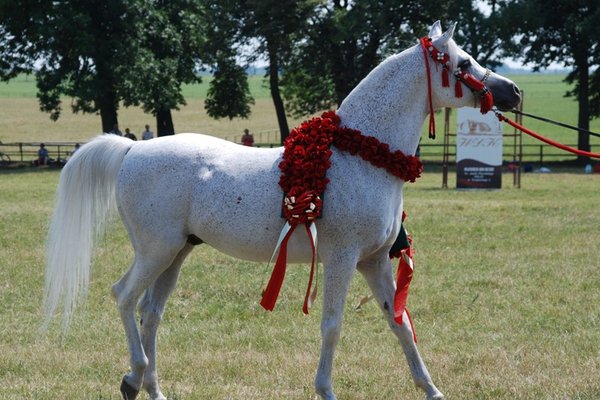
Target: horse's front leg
[
  {"x": 337, "y": 276},
  {"x": 378, "y": 274}
]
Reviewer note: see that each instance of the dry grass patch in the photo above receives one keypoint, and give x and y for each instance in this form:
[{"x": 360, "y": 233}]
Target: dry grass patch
[{"x": 505, "y": 299}]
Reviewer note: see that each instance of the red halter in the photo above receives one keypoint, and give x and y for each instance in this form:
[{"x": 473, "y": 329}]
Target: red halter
[{"x": 476, "y": 85}]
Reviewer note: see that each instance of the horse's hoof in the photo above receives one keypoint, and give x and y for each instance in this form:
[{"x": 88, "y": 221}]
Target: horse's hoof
[
  {"x": 128, "y": 392},
  {"x": 437, "y": 396}
]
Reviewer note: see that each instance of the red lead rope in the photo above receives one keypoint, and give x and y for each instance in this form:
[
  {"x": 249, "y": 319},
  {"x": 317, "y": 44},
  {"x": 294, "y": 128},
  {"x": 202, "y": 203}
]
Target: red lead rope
[{"x": 546, "y": 140}]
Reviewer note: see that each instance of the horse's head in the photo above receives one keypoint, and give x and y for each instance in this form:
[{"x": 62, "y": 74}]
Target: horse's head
[{"x": 466, "y": 81}]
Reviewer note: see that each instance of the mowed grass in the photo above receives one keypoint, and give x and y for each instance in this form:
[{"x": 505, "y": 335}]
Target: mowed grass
[
  {"x": 505, "y": 300},
  {"x": 23, "y": 122}
]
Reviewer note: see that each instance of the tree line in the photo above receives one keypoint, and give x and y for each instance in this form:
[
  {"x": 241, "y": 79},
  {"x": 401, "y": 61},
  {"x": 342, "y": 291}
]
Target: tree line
[{"x": 106, "y": 53}]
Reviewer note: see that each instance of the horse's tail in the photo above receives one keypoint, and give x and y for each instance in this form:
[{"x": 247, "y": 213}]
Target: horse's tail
[{"x": 84, "y": 200}]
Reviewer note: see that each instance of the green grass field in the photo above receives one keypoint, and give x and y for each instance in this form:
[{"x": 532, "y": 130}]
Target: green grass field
[
  {"x": 21, "y": 120},
  {"x": 505, "y": 300}
]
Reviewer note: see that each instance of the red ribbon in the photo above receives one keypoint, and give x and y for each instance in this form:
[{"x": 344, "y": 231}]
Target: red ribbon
[
  {"x": 404, "y": 277},
  {"x": 271, "y": 293},
  {"x": 425, "y": 45},
  {"x": 302, "y": 209},
  {"x": 546, "y": 140}
]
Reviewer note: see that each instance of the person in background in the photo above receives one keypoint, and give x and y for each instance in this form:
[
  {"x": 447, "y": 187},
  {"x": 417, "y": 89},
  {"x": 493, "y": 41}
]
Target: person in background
[
  {"x": 247, "y": 138},
  {"x": 129, "y": 135},
  {"x": 147, "y": 134},
  {"x": 115, "y": 130},
  {"x": 42, "y": 155}
]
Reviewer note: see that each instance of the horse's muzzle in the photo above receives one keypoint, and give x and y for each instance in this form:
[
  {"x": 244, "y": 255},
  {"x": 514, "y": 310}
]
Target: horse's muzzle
[{"x": 507, "y": 95}]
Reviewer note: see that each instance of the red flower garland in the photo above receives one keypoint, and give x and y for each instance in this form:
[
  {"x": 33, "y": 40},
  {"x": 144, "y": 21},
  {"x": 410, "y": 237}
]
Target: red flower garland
[
  {"x": 307, "y": 152},
  {"x": 304, "y": 168}
]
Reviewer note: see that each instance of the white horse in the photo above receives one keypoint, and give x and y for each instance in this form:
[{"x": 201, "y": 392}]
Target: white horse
[{"x": 176, "y": 192}]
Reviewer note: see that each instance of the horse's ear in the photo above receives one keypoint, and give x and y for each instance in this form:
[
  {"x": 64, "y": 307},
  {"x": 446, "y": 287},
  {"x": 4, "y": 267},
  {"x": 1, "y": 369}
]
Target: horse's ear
[
  {"x": 447, "y": 35},
  {"x": 436, "y": 29}
]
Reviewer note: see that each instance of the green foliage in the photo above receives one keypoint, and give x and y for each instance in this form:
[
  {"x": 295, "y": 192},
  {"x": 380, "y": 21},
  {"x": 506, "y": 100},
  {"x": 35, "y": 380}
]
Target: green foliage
[
  {"x": 478, "y": 34},
  {"x": 228, "y": 93},
  {"x": 83, "y": 49},
  {"x": 562, "y": 32},
  {"x": 343, "y": 43},
  {"x": 171, "y": 38}
]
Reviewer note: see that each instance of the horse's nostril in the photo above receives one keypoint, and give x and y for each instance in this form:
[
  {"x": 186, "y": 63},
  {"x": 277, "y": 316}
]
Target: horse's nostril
[{"x": 516, "y": 89}]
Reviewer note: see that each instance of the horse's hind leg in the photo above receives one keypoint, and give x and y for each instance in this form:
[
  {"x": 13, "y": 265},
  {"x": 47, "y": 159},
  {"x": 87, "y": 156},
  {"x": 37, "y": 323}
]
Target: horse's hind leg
[
  {"x": 151, "y": 309},
  {"x": 147, "y": 267},
  {"x": 379, "y": 276}
]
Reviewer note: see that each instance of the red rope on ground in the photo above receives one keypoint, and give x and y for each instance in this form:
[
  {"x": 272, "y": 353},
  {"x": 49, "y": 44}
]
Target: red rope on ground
[{"x": 547, "y": 140}]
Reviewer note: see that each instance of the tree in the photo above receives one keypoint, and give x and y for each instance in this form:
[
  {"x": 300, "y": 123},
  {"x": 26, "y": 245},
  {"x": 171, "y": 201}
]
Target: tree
[
  {"x": 566, "y": 32},
  {"x": 81, "y": 49},
  {"x": 477, "y": 33},
  {"x": 228, "y": 94},
  {"x": 170, "y": 40},
  {"x": 344, "y": 42},
  {"x": 275, "y": 24}
]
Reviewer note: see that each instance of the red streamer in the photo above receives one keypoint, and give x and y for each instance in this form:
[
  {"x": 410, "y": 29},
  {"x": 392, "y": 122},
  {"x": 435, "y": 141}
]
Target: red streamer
[
  {"x": 425, "y": 45},
  {"x": 547, "y": 140},
  {"x": 458, "y": 89},
  {"x": 274, "y": 286}
]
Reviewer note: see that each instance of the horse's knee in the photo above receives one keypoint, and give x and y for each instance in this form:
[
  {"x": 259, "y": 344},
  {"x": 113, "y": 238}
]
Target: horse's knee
[
  {"x": 331, "y": 329},
  {"x": 139, "y": 362}
]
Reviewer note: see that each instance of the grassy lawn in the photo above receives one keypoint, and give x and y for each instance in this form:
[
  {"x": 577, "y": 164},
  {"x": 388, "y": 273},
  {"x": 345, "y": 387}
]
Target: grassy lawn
[
  {"x": 22, "y": 121},
  {"x": 505, "y": 300}
]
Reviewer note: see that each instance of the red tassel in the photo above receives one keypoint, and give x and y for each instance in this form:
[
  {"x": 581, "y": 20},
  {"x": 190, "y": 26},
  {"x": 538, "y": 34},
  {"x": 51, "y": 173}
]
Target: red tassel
[
  {"x": 458, "y": 89},
  {"x": 274, "y": 286},
  {"x": 405, "y": 274},
  {"x": 431, "y": 126},
  {"x": 307, "y": 298},
  {"x": 487, "y": 102},
  {"x": 445, "y": 80}
]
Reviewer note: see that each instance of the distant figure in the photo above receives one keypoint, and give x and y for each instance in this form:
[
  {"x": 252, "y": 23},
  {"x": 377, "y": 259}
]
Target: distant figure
[
  {"x": 77, "y": 146},
  {"x": 147, "y": 134},
  {"x": 129, "y": 135},
  {"x": 42, "y": 155},
  {"x": 247, "y": 138},
  {"x": 115, "y": 130}
]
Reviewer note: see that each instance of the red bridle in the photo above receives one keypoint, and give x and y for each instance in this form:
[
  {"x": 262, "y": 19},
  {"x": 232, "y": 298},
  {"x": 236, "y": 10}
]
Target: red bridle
[{"x": 475, "y": 85}]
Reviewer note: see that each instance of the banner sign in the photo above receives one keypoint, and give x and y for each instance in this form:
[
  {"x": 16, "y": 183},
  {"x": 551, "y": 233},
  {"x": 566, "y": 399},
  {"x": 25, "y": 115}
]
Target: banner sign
[{"x": 478, "y": 150}]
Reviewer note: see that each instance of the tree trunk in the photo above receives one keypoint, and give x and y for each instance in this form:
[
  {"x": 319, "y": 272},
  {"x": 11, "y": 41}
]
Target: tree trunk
[
  {"x": 583, "y": 141},
  {"x": 108, "y": 112},
  {"x": 284, "y": 130},
  {"x": 164, "y": 122}
]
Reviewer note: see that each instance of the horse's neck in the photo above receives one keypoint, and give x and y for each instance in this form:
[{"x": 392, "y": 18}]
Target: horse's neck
[{"x": 391, "y": 102}]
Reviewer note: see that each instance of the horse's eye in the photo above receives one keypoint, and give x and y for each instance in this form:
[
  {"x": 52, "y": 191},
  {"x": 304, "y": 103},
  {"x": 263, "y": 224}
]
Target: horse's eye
[{"x": 464, "y": 64}]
